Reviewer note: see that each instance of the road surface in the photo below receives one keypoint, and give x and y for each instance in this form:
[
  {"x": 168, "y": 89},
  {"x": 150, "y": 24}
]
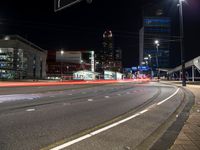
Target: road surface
[{"x": 39, "y": 117}]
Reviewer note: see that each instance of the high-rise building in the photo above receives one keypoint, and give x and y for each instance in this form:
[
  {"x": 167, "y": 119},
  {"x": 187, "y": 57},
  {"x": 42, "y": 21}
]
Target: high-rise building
[
  {"x": 155, "y": 27},
  {"x": 108, "y": 58}
]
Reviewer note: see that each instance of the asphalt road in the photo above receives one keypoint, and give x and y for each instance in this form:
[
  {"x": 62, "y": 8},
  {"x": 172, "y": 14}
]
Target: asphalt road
[{"x": 32, "y": 118}]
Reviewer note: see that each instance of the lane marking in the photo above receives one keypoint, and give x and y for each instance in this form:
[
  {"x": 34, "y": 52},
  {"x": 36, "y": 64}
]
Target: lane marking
[
  {"x": 142, "y": 112},
  {"x": 71, "y": 142},
  {"x": 168, "y": 97},
  {"x": 107, "y": 96},
  {"x": 67, "y": 144},
  {"x": 31, "y": 109},
  {"x": 90, "y": 100}
]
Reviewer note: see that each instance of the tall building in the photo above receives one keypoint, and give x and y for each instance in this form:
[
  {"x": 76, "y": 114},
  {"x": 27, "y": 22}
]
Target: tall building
[
  {"x": 155, "y": 27},
  {"x": 108, "y": 58},
  {"x": 108, "y": 46}
]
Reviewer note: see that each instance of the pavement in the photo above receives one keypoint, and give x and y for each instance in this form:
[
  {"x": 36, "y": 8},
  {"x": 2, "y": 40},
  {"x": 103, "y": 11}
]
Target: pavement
[
  {"x": 138, "y": 132},
  {"x": 114, "y": 116},
  {"x": 189, "y": 137}
]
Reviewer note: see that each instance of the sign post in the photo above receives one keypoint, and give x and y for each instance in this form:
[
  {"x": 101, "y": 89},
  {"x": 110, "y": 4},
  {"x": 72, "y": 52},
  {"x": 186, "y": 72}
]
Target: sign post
[{"x": 62, "y": 4}]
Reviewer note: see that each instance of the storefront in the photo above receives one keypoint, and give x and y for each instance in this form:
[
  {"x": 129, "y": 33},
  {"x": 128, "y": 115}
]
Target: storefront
[{"x": 85, "y": 75}]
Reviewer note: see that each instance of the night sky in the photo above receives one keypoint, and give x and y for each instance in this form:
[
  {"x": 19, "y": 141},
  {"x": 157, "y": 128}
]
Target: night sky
[{"x": 82, "y": 25}]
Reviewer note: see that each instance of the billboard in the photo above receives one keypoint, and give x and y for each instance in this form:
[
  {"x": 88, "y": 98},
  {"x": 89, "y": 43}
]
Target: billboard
[{"x": 70, "y": 57}]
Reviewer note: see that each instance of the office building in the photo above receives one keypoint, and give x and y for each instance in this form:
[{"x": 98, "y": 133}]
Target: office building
[
  {"x": 21, "y": 59},
  {"x": 109, "y": 57},
  {"x": 155, "y": 27}
]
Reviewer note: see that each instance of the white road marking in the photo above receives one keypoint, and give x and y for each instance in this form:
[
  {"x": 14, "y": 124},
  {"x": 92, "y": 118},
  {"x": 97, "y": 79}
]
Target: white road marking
[
  {"x": 107, "y": 96},
  {"x": 67, "y": 144},
  {"x": 168, "y": 97},
  {"x": 71, "y": 142},
  {"x": 70, "y": 94},
  {"x": 66, "y": 104},
  {"x": 31, "y": 109},
  {"x": 90, "y": 100},
  {"x": 16, "y": 97},
  {"x": 142, "y": 112},
  {"x": 119, "y": 94}
]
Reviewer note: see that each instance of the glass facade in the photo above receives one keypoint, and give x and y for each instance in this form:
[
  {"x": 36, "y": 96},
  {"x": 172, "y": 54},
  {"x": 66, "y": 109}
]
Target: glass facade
[
  {"x": 157, "y": 28},
  {"x": 11, "y": 63}
]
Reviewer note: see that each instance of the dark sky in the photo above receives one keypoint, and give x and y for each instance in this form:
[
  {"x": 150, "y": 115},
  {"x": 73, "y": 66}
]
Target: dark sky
[{"x": 81, "y": 26}]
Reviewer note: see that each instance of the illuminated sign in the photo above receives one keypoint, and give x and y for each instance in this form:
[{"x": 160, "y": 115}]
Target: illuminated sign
[
  {"x": 143, "y": 68},
  {"x": 157, "y": 22},
  {"x": 71, "y": 57}
]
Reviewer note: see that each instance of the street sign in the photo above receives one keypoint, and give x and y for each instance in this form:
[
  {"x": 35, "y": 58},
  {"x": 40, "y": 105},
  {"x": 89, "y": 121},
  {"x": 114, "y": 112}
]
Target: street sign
[
  {"x": 61, "y": 4},
  {"x": 143, "y": 68}
]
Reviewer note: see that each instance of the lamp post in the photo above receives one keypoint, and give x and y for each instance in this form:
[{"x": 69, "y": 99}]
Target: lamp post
[
  {"x": 61, "y": 65},
  {"x": 150, "y": 65},
  {"x": 181, "y": 42},
  {"x": 156, "y": 42}
]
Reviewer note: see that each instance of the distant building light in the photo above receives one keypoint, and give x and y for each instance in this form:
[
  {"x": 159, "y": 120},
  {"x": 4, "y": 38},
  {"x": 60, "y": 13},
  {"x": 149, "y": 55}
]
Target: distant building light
[
  {"x": 62, "y": 52},
  {"x": 6, "y": 38}
]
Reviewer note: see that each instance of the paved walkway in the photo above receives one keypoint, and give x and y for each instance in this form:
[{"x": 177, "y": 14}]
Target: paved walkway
[{"x": 189, "y": 137}]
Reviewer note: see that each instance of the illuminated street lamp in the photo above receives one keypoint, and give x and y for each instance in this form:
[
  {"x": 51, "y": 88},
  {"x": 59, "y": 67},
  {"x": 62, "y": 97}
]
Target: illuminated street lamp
[
  {"x": 181, "y": 42},
  {"x": 61, "y": 64},
  {"x": 157, "y": 43},
  {"x": 150, "y": 65}
]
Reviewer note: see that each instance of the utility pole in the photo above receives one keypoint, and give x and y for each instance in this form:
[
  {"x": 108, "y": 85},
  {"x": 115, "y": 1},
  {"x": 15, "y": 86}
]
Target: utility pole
[{"x": 182, "y": 42}]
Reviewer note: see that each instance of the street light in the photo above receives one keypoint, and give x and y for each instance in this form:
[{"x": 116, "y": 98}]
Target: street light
[
  {"x": 157, "y": 43},
  {"x": 181, "y": 42},
  {"x": 61, "y": 65},
  {"x": 150, "y": 64}
]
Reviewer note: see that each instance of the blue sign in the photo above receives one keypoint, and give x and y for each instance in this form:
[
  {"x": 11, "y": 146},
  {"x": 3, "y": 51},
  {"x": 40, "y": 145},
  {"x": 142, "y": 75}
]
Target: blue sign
[
  {"x": 143, "y": 68},
  {"x": 134, "y": 68}
]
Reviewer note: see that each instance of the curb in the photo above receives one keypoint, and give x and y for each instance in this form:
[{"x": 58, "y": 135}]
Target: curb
[{"x": 170, "y": 135}]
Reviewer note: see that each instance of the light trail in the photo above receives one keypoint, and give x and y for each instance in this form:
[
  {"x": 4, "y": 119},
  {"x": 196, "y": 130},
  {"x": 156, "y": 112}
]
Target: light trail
[{"x": 26, "y": 84}]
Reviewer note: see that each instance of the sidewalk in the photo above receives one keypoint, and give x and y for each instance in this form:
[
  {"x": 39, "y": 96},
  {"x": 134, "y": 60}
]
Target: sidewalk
[{"x": 189, "y": 137}]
